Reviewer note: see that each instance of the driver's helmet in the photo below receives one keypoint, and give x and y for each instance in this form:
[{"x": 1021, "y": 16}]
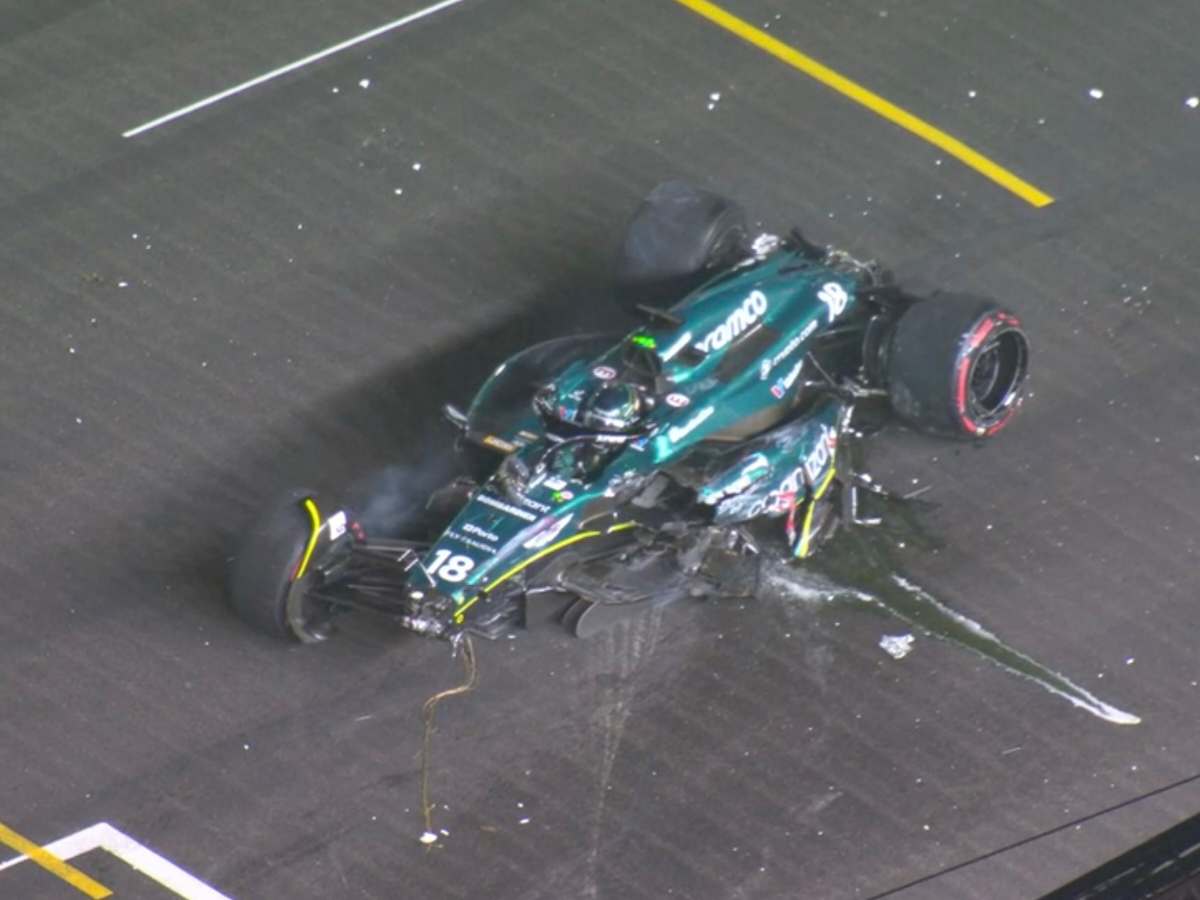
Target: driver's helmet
[{"x": 613, "y": 407}]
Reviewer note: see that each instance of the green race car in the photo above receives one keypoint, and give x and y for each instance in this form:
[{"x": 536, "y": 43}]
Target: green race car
[{"x": 625, "y": 471}]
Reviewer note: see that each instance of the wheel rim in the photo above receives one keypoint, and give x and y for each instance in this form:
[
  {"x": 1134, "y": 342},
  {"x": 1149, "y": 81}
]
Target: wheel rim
[
  {"x": 310, "y": 619},
  {"x": 995, "y": 378}
]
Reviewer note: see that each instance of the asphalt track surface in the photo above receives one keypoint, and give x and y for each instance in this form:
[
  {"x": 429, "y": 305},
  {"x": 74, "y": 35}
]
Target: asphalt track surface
[{"x": 241, "y": 301}]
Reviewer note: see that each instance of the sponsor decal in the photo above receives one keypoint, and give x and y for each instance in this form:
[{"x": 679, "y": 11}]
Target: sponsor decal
[
  {"x": 811, "y": 469},
  {"x": 605, "y": 373},
  {"x": 499, "y": 443},
  {"x": 470, "y": 542},
  {"x": 562, "y": 496},
  {"x": 677, "y": 401},
  {"x": 748, "y": 506},
  {"x": 754, "y": 469},
  {"x": 480, "y": 532},
  {"x": 533, "y": 504},
  {"x": 779, "y": 357},
  {"x": 791, "y": 347},
  {"x": 555, "y": 483},
  {"x": 783, "y": 498},
  {"x": 337, "y": 525},
  {"x": 683, "y": 340},
  {"x": 768, "y": 365},
  {"x": 834, "y": 296},
  {"x": 784, "y": 384},
  {"x": 544, "y": 537},
  {"x": 496, "y": 503},
  {"x": 740, "y": 320},
  {"x": 677, "y": 433},
  {"x": 756, "y": 466}
]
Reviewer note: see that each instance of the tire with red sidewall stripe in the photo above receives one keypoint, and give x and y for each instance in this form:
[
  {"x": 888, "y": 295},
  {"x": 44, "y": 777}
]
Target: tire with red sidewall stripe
[{"x": 957, "y": 366}]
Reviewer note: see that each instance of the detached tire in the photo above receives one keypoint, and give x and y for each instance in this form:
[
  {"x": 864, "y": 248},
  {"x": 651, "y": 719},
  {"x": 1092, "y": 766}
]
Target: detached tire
[
  {"x": 678, "y": 235},
  {"x": 262, "y": 581},
  {"x": 957, "y": 366}
]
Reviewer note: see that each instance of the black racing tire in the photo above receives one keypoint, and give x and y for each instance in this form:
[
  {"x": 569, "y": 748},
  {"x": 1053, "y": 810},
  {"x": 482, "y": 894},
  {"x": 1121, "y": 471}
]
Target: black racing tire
[
  {"x": 957, "y": 366},
  {"x": 678, "y": 235},
  {"x": 262, "y": 579}
]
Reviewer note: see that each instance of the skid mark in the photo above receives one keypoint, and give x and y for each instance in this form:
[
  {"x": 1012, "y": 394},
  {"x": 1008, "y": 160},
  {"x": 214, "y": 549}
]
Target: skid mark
[{"x": 625, "y": 648}]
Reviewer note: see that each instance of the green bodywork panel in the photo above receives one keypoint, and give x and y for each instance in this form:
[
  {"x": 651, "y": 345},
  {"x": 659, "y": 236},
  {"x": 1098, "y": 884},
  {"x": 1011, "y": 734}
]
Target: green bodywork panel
[{"x": 726, "y": 394}]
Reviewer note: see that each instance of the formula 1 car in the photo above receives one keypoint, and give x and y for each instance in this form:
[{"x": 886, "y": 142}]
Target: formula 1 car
[{"x": 631, "y": 471}]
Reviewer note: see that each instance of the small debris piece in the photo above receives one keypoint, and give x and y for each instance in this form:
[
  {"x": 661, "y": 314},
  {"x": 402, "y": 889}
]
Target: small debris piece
[
  {"x": 429, "y": 838},
  {"x": 1095, "y": 93},
  {"x": 897, "y": 646}
]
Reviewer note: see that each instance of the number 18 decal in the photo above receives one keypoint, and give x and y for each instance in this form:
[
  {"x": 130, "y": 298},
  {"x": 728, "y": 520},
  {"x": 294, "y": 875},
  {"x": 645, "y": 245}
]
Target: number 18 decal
[{"x": 453, "y": 568}]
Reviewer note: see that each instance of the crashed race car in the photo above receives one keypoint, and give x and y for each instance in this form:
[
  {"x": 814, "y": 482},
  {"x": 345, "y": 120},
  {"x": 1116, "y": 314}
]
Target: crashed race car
[{"x": 619, "y": 472}]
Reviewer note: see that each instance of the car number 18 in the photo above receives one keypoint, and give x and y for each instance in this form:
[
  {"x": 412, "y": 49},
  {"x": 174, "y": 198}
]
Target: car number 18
[{"x": 451, "y": 567}]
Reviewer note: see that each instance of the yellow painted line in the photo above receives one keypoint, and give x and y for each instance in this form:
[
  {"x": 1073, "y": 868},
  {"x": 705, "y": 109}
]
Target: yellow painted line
[
  {"x": 870, "y": 100},
  {"x": 312, "y": 541},
  {"x": 53, "y": 864}
]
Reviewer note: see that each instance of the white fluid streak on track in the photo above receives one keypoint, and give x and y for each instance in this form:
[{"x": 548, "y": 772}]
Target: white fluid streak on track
[
  {"x": 1054, "y": 682},
  {"x": 290, "y": 67}
]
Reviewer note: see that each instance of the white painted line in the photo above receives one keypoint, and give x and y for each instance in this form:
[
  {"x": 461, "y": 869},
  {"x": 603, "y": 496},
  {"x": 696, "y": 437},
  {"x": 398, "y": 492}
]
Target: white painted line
[
  {"x": 104, "y": 837},
  {"x": 291, "y": 67},
  {"x": 66, "y": 848}
]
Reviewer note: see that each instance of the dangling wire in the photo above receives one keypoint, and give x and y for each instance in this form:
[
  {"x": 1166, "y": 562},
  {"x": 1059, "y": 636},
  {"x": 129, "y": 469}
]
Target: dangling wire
[{"x": 427, "y": 711}]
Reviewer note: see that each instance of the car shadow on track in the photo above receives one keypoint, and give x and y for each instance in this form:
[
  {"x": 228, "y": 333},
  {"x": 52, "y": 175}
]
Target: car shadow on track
[{"x": 382, "y": 444}]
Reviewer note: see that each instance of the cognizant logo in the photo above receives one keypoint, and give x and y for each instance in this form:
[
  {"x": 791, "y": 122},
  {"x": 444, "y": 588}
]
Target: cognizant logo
[{"x": 752, "y": 309}]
